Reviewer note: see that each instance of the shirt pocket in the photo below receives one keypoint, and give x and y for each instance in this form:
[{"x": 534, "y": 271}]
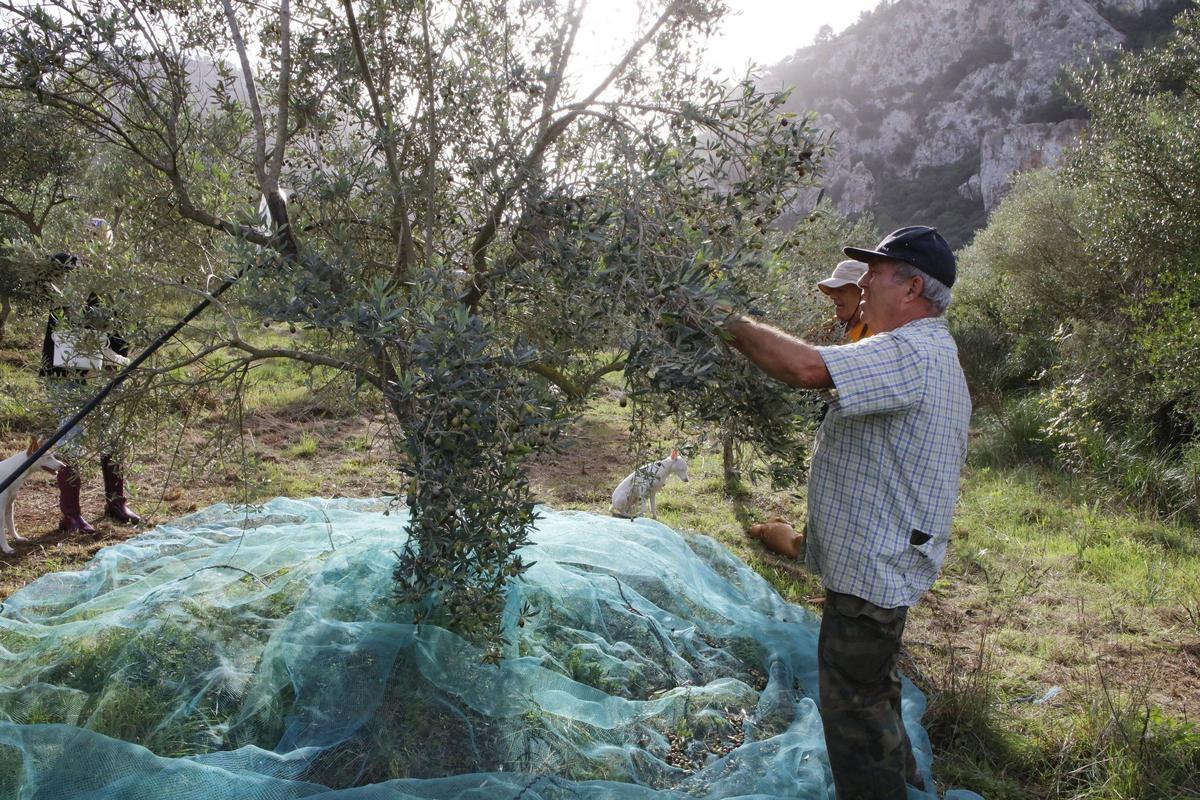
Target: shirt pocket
[{"x": 923, "y": 557}]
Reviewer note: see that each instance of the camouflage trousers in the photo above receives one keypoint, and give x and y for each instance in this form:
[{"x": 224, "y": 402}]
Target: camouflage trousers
[{"x": 869, "y": 751}]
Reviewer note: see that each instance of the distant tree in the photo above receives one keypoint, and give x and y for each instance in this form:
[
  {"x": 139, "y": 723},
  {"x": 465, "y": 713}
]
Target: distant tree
[
  {"x": 824, "y": 35},
  {"x": 1084, "y": 282},
  {"x": 1024, "y": 280}
]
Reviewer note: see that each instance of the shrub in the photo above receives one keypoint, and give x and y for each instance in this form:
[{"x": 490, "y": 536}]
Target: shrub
[{"x": 1017, "y": 433}]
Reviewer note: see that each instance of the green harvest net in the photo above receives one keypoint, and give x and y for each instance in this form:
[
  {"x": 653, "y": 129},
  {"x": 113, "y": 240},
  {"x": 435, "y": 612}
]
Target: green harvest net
[{"x": 257, "y": 653}]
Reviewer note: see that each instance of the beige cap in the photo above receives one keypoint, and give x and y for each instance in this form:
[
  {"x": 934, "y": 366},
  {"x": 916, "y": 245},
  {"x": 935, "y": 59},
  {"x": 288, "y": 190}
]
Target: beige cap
[{"x": 845, "y": 273}]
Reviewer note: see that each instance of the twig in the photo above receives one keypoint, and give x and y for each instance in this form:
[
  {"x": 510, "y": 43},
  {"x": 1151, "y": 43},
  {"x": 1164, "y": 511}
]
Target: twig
[
  {"x": 223, "y": 566},
  {"x": 538, "y": 779}
]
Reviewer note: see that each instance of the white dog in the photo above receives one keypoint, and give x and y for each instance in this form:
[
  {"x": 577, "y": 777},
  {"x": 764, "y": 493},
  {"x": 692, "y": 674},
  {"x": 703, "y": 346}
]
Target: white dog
[
  {"x": 8, "y": 525},
  {"x": 630, "y": 496}
]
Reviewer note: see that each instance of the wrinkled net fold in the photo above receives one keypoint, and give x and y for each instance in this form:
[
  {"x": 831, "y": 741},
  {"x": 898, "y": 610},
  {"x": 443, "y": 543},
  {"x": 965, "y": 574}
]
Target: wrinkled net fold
[{"x": 258, "y": 653}]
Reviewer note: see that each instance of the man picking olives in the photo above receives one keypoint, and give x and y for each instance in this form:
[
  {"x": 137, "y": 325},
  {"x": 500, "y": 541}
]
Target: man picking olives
[{"x": 882, "y": 488}]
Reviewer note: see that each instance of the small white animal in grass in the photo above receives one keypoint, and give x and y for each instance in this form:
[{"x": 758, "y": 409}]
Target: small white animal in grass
[
  {"x": 8, "y": 525},
  {"x": 630, "y": 497}
]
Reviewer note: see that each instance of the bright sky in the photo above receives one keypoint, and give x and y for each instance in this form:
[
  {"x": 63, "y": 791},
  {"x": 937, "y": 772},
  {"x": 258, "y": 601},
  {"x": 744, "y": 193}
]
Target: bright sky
[
  {"x": 767, "y": 31},
  {"x": 763, "y": 31}
]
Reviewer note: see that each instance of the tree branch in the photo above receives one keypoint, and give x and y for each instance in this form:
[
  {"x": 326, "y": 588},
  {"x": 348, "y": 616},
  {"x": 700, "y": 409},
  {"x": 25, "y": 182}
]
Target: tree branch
[
  {"x": 188, "y": 210},
  {"x": 550, "y": 134},
  {"x": 9, "y": 208},
  {"x": 260, "y": 127},
  {"x": 576, "y": 390},
  {"x": 557, "y": 377},
  {"x": 430, "y": 135},
  {"x": 400, "y": 222},
  {"x": 316, "y": 359},
  {"x": 285, "y": 77}
]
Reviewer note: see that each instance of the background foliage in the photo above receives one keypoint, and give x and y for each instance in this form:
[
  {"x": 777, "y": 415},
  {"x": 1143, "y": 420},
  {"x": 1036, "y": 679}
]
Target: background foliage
[{"x": 1083, "y": 288}]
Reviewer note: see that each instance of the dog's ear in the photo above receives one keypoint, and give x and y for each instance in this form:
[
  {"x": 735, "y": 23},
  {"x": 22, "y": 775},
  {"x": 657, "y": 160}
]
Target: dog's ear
[
  {"x": 33, "y": 446},
  {"x": 674, "y": 454}
]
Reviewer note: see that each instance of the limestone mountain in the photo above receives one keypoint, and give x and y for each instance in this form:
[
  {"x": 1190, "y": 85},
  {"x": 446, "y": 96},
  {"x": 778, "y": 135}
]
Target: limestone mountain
[{"x": 933, "y": 104}]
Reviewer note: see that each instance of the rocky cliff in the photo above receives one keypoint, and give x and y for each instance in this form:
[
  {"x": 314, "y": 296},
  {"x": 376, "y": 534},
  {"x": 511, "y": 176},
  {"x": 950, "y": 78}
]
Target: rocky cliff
[{"x": 935, "y": 103}]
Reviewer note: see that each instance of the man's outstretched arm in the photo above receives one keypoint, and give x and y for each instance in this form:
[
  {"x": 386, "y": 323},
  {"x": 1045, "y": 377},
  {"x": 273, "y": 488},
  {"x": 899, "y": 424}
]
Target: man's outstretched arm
[{"x": 785, "y": 358}]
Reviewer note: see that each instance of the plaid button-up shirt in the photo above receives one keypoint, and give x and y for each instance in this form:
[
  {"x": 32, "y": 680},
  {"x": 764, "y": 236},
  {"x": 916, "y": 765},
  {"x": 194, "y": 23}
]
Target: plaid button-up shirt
[{"x": 886, "y": 463}]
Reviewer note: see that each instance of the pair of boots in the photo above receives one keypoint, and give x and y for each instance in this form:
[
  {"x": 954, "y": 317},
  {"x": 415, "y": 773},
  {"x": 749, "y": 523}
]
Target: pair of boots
[{"x": 115, "y": 504}]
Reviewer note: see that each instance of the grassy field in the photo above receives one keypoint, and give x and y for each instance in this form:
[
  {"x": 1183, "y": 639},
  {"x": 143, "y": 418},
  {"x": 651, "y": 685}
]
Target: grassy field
[{"x": 1060, "y": 648}]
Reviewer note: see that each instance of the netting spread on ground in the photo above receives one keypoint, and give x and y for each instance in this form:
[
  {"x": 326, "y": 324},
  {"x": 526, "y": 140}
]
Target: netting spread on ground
[{"x": 258, "y": 654}]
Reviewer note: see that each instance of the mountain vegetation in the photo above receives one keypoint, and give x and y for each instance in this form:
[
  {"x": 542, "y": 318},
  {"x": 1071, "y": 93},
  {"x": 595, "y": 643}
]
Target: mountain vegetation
[
  {"x": 1078, "y": 315},
  {"x": 913, "y": 91}
]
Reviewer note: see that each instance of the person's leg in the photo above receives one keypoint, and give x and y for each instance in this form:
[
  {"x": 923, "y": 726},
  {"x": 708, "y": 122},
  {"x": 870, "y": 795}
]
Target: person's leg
[
  {"x": 68, "y": 502},
  {"x": 65, "y": 395},
  {"x": 116, "y": 506},
  {"x": 869, "y": 751}
]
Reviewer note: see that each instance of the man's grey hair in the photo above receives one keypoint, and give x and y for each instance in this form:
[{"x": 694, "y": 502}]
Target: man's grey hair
[{"x": 937, "y": 293}]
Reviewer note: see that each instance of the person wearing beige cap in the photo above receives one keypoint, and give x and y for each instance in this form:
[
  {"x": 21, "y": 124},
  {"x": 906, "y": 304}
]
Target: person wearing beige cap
[{"x": 842, "y": 288}]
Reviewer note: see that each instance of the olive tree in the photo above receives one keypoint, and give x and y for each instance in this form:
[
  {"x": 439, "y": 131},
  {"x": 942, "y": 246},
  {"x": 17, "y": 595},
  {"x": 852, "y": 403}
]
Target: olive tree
[{"x": 450, "y": 216}]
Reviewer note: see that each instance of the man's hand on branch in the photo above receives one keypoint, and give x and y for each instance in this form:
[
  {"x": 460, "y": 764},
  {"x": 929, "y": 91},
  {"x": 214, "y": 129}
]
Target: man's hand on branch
[{"x": 677, "y": 304}]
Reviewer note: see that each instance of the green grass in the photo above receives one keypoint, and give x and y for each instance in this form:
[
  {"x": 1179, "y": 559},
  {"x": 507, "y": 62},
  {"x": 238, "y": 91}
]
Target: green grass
[
  {"x": 306, "y": 448},
  {"x": 1025, "y": 530},
  {"x": 351, "y": 466},
  {"x": 1071, "y": 593},
  {"x": 22, "y": 407}
]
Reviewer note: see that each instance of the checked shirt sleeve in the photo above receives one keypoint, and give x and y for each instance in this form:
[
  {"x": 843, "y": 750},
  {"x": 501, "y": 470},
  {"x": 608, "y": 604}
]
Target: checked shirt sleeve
[{"x": 878, "y": 375}]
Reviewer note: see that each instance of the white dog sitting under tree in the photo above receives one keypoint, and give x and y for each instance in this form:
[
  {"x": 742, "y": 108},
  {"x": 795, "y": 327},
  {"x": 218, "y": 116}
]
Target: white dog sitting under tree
[{"x": 630, "y": 497}]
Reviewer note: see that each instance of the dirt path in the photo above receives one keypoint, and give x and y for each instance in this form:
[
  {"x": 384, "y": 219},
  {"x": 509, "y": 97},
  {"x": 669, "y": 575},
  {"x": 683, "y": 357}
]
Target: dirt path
[{"x": 348, "y": 461}]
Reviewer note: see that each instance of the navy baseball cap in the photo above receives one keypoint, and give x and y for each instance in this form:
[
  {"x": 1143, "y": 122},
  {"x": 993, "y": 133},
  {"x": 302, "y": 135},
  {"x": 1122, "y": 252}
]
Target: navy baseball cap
[{"x": 918, "y": 245}]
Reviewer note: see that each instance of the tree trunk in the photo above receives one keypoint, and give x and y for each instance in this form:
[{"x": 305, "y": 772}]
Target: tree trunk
[
  {"x": 5, "y": 310},
  {"x": 728, "y": 465}
]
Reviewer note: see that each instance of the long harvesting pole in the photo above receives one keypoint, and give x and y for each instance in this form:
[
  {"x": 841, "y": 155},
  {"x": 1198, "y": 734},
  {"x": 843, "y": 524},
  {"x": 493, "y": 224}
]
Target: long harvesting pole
[{"x": 120, "y": 378}]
